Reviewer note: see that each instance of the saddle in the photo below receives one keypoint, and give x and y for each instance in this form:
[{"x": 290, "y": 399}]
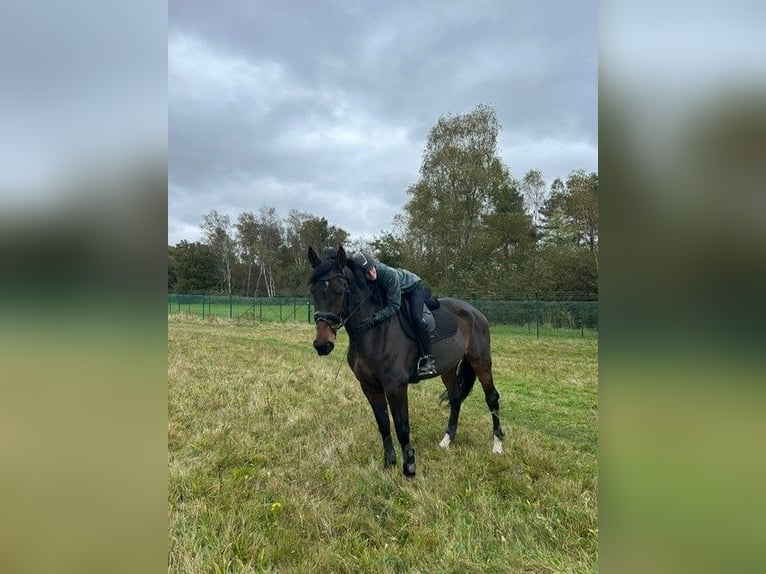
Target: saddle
[{"x": 441, "y": 321}]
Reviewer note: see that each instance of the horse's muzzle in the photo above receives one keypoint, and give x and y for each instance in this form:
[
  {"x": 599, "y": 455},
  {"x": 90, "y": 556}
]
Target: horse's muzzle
[
  {"x": 324, "y": 348},
  {"x": 327, "y": 326}
]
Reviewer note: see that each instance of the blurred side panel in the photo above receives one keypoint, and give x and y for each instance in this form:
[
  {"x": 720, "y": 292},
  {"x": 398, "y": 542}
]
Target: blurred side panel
[
  {"x": 683, "y": 255},
  {"x": 83, "y": 212}
]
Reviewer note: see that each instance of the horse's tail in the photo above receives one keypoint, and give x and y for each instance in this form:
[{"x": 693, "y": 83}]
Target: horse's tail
[{"x": 466, "y": 377}]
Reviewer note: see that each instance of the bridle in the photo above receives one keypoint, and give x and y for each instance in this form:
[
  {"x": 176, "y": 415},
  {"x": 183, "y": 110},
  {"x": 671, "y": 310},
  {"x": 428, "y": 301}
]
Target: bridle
[{"x": 332, "y": 320}]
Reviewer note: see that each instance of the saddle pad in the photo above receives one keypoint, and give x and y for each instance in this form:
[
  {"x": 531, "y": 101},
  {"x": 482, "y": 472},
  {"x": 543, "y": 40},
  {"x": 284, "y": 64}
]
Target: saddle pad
[{"x": 446, "y": 323}]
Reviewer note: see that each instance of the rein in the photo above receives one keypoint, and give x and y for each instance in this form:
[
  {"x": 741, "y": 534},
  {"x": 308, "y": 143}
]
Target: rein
[{"x": 343, "y": 322}]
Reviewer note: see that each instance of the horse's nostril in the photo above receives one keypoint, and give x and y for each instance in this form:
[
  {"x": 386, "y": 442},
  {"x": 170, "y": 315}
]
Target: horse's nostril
[{"x": 324, "y": 348}]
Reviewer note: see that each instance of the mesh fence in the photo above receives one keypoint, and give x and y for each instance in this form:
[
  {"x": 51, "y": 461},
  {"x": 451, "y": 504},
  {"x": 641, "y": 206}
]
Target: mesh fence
[
  {"x": 556, "y": 314},
  {"x": 531, "y": 313},
  {"x": 262, "y": 309}
]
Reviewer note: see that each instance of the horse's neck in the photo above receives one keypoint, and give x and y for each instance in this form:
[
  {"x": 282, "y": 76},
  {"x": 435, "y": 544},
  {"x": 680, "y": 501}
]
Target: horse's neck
[
  {"x": 361, "y": 303},
  {"x": 362, "y": 309}
]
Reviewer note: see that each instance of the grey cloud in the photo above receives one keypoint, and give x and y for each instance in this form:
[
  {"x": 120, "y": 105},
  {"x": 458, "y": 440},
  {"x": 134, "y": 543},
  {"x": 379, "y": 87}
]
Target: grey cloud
[{"x": 325, "y": 107}]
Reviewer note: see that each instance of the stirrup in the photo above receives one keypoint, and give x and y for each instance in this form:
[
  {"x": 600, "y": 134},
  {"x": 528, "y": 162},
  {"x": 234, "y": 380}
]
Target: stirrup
[{"x": 426, "y": 366}]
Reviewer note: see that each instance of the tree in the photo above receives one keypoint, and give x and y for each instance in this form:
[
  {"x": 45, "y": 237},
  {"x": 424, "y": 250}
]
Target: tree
[
  {"x": 533, "y": 189},
  {"x": 389, "y": 249},
  {"x": 464, "y": 199},
  {"x": 259, "y": 239},
  {"x": 216, "y": 229},
  {"x": 582, "y": 207},
  {"x": 172, "y": 269},
  {"x": 570, "y": 240},
  {"x": 247, "y": 236},
  {"x": 301, "y": 231},
  {"x": 557, "y": 228},
  {"x": 507, "y": 241},
  {"x": 192, "y": 268}
]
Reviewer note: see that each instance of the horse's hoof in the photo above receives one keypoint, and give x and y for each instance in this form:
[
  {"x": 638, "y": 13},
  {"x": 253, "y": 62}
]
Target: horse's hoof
[
  {"x": 408, "y": 468},
  {"x": 497, "y": 447},
  {"x": 389, "y": 460},
  {"x": 445, "y": 441}
]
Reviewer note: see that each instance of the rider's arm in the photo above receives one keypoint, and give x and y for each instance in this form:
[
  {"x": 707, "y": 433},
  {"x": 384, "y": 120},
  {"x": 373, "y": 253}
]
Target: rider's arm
[{"x": 390, "y": 282}]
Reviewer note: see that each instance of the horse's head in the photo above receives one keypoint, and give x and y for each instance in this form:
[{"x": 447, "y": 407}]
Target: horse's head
[{"x": 329, "y": 288}]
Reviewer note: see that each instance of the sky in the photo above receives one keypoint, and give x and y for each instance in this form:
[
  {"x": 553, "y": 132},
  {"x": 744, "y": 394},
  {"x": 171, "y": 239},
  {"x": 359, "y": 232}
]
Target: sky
[{"x": 325, "y": 107}]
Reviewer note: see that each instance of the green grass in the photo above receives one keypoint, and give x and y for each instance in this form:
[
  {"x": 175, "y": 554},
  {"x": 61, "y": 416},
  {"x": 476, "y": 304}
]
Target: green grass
[{"x": 275, "y": 461}]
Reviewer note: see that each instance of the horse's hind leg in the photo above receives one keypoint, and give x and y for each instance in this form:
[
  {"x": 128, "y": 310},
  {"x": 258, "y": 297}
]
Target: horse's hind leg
[
  {"x": 449, "y": 379},
  {"x": 483, "y": 371},
  {"x": 377, "y": 400},
  {"x": 397, "y": 400}
]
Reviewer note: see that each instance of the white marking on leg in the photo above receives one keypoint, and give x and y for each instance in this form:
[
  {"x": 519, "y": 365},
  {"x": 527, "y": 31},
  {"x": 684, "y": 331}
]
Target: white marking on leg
[
  {"x": 497, "y": 448},
  {"x": 445, "y": 441}
]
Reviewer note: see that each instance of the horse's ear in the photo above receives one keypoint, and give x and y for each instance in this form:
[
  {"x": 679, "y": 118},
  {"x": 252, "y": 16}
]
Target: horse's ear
[
  {"x": 340, "y": 260},
  {"x": 313, "y": 258}
]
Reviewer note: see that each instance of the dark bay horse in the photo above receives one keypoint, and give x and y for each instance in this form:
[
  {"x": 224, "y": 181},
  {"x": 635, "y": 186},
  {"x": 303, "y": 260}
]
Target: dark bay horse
[{"x": 382, "y": 358}]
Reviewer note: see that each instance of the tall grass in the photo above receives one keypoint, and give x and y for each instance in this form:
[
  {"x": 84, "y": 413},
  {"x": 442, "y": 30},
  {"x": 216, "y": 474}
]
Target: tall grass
[{"x": 275, "y": 461}]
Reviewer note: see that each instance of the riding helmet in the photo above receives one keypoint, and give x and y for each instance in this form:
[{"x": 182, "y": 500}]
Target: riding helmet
[{"x": 364, "y": 260}]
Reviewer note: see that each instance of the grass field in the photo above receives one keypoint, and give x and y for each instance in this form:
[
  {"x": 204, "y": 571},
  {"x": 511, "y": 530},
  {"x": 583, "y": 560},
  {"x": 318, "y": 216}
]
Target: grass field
[{"x": 275, "y": 461}]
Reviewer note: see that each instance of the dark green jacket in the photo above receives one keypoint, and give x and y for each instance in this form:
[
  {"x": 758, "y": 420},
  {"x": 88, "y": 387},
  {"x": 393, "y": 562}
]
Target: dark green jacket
[{"x": 393, "y": 282}]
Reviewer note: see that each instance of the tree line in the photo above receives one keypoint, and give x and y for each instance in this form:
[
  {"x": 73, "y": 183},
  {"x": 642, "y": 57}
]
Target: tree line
[{"x": 469, "y": 228}]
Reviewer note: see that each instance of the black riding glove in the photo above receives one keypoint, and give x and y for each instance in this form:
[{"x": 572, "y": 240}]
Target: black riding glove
[
  {"x": 366, "y": 326},
  {"x": 374, "y": 321},
  {"x": 378, "y": 317}
]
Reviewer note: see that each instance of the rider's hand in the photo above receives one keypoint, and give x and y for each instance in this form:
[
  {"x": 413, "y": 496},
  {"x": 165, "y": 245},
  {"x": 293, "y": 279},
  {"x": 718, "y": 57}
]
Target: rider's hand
[{"x": 367, "y": 325}]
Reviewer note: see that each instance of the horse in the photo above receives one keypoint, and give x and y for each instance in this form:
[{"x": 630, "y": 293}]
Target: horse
[{"x": 382, "y": 358}]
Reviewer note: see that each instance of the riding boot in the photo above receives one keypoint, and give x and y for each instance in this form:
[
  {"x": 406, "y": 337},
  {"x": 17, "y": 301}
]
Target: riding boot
[{"x": 426, "y": 364}]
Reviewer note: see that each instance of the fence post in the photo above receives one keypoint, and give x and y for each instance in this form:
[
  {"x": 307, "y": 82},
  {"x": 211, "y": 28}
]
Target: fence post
[
  {"x": 308, "y": 312},
  {"x": 295, "y": 310},
  {"x": 203, "y": 306},
  {"x": 529, "y": 321},
  {"x": 231, "y": 308},
  {"x": 260, "y": 310},
  {"x": 537, "y": 313}
]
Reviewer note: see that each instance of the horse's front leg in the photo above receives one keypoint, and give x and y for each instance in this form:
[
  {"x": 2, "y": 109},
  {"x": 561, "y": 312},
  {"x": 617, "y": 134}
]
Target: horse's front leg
[
  {"x": 397, "y": 400},
  {"x": 377, "y": 400},
  {"x": 455, "y": 401}
]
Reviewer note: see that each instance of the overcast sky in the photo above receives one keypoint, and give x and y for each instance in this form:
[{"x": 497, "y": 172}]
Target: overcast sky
[{"x": 325, "y": 107}]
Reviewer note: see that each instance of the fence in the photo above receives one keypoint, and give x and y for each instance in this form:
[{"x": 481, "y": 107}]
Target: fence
[
  {"x": 531, "y": 313},
  {"x": 261, "y": 309}
]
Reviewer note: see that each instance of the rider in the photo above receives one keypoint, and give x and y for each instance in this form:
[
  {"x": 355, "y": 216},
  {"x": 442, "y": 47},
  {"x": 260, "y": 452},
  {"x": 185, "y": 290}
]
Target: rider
[{"x": 398, "y": 283}]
